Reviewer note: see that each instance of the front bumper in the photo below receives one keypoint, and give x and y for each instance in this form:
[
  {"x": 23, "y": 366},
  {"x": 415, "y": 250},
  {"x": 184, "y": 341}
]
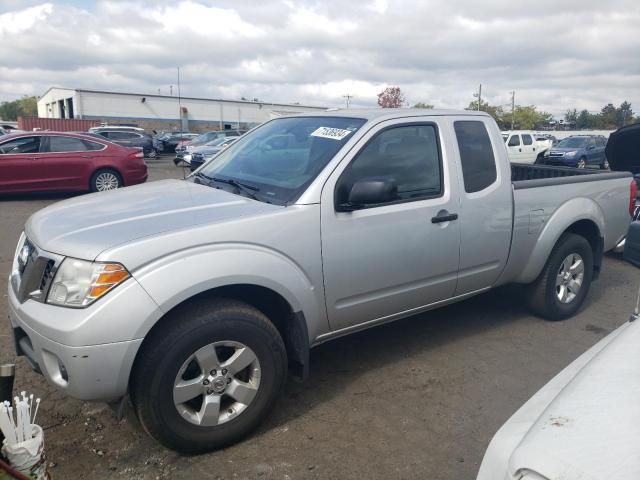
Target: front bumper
[{"x": 87, "y": 353}]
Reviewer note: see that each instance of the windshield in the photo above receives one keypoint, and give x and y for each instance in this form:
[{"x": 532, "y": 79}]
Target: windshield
[
  {"x": 204, "y": 138},
  {"x": 282, "y": 157},
  {"x": 216, "y": 142},
  {"x": 573, "y": 142}
]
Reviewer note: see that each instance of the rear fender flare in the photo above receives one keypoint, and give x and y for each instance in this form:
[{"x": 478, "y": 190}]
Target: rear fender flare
[{"x": 561, "y": 220}]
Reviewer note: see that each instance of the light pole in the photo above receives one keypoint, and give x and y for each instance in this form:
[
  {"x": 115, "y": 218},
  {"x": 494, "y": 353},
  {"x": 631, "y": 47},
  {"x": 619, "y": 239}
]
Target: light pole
[
  {"x": 179, "y": 103},
  {"x": 347, "y": 99},
  {"x": 479, "y": 97},
  {"x": 513, "y": 107}
]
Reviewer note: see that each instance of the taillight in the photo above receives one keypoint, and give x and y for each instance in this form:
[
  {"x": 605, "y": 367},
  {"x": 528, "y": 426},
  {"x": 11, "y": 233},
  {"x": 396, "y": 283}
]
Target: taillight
[
  {"x": 633, "y": 191},
  {"x": 136, "y": 154}
]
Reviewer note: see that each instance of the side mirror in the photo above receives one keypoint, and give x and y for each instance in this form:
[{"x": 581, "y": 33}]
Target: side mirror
[
  {"x": 368, "y": 192},
  {"x": 591, "y": 147}
]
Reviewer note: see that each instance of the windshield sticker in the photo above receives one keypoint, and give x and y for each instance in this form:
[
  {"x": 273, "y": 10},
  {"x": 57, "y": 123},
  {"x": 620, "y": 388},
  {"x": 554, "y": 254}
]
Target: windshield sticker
[{"x": 332, "y": 133}]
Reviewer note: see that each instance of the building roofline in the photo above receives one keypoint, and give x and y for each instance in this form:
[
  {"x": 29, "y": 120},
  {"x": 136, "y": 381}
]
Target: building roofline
[{"x": 153, "y": 95}]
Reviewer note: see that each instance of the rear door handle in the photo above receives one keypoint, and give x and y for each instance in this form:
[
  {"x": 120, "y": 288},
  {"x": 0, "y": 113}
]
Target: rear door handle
[{"x": 444, "y": 217}]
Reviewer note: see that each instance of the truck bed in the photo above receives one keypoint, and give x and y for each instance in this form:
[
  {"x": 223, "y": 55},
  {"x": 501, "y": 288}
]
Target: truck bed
[{"x": 529, "y": 176}]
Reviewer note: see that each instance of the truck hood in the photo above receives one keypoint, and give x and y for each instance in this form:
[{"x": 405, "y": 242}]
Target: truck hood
[
  {"x": 623, "y": 149},
  {"x": 590, "y": 430},
  {"x": 84, "y": 226}
]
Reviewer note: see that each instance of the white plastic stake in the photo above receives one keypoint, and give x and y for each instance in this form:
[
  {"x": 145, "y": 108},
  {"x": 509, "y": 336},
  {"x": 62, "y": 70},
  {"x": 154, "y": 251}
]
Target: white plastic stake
[{"x": 36, "y": 412}]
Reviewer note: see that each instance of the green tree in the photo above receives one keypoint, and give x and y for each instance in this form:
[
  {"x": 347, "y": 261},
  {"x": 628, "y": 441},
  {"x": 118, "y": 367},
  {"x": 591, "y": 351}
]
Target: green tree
[
  {"x": 23, "y": 107},
  {"x": 571, "y": 117},
  {"x": 624, "y": 114},
  {"x": 494, "y": 110},
  {"x": 428, "y": 106}
]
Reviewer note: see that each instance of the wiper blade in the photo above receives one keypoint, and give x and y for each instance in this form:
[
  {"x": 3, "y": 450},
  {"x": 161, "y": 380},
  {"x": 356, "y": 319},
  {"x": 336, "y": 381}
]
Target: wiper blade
[
  {"x": 245, "y": 187},
  {"x": 203, "y": 175}
]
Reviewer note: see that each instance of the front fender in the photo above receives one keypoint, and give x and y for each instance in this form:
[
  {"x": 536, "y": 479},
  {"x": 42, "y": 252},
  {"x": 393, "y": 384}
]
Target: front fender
[
  {"x": 175, "y": 278},
  {"x": 572, "y": 211}
]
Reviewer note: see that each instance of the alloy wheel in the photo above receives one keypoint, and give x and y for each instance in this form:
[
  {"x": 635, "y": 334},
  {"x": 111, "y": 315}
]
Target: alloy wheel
[
  {"x": 216, "y": 383},
  {"x": 107, "y": 181},
  {"x": 569, "y": 278}
]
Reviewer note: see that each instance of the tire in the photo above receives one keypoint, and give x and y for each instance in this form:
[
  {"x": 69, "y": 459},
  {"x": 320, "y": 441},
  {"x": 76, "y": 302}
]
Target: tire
[
  {"x": 604, "y": 165},
  {"x": 163, "y": 366},
  {"x": 104, "y": 180},
  {"x": 545, "y": 293},
  {"x": 153, "y": 153},
  {"x": 582, "y": 163}
]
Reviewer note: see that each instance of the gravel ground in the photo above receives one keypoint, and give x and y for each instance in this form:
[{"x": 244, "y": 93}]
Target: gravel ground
[{"x": 418, "y": 398}]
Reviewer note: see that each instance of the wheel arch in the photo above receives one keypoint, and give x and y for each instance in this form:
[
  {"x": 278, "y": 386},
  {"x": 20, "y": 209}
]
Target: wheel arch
[
  {"x": 290, "y": 324},
  {"x": 589, "y": 224}
]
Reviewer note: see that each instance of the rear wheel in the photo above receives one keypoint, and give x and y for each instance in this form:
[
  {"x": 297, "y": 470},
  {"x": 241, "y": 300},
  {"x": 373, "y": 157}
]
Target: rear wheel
[
  {"x": 564, "y": 282},
  {"x": 209, "y": 376},
  {"x": 105, "y": 179}
]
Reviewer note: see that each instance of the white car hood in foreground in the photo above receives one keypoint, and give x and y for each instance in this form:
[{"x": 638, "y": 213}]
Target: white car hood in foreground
[{"x": 583, "y": 425}]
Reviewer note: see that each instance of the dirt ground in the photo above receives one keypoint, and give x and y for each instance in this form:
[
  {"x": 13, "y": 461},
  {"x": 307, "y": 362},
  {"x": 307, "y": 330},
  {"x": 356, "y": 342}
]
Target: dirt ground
[{"x": 418, "y": 398}]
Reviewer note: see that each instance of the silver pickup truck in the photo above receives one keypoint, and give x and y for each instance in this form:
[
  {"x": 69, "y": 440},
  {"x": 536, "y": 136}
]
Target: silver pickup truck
[{"x": 196, "y": 297}]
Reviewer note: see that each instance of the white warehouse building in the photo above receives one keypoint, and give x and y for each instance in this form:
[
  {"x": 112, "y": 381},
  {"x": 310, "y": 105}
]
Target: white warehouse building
[{"x": 161, "y": 112}]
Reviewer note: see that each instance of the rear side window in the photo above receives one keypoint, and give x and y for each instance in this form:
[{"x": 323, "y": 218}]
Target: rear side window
[
  {"x": 527, "y": 140},
  {"x": 21, "y": 145},
  {"x": 123, "y": 135},
  {"x": 93, "y": 145},
  {"x": 514, "y": 141},
  {"x": 66, "y": 144},
  {"x": 407, "y": 154},
  {"x": 476, "y": 155}
]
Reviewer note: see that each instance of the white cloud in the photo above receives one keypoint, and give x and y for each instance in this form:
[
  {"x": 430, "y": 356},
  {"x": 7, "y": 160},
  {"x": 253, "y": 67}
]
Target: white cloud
[
  {"x": 557, "y": 55},
  {"x": 13, "y": 23}
]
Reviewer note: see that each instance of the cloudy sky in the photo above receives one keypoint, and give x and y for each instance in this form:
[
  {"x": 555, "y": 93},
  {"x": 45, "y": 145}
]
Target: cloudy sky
[{"x": 556, "y": 54}]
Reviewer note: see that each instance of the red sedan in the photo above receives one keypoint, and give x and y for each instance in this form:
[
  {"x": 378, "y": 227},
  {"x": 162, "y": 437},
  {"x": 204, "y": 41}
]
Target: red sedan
[{"x": 62, "y": 162}]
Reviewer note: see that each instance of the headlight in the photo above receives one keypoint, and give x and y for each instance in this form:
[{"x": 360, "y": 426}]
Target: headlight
[
  {"x": 546, "y": 153},
  {"x": 570, "y": 154},
  {"x": 79, "y": 283}
]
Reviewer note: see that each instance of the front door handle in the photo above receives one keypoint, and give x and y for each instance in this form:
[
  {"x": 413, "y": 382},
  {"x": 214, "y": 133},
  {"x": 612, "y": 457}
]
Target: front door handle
[
  {"x": 86, "y": 156},
  {"x": 444, "y": 217}
]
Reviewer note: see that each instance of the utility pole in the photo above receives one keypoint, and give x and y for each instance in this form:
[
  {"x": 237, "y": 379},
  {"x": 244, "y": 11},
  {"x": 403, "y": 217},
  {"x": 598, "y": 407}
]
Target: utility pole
[
  {"x": 479, "y": 97},
  {"x": 171, "y": 90},
  {"x": 158, "y": 91},
  {"x": 347, "y": 99},
  {"x": 179, "y": 102},
  {"x": 513, "y": 107}
]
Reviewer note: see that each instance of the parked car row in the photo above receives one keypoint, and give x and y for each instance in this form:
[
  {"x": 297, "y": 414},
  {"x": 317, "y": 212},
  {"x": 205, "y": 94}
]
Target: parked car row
[
  {"x": 580, "y": 151},
  {"x": 209, "y": 138},
  {"x": 51, "y": 161}
]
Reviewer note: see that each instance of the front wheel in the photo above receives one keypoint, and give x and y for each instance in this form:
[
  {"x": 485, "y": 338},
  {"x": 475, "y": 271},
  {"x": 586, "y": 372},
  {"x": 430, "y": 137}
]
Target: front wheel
[
  {"x": 604, "y": 165},
  {"x": 582, "y": 163},
  {"x": 564, "y": 282},
  {"x": 208, "y": 376}
]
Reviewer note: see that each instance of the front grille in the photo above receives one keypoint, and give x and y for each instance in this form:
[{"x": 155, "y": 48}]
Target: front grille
[{"x": 34, "y": 276}]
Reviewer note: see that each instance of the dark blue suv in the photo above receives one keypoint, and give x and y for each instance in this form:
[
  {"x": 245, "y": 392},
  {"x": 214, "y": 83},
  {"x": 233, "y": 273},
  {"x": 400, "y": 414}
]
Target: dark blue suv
[{"x": 579, "y": 151}]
